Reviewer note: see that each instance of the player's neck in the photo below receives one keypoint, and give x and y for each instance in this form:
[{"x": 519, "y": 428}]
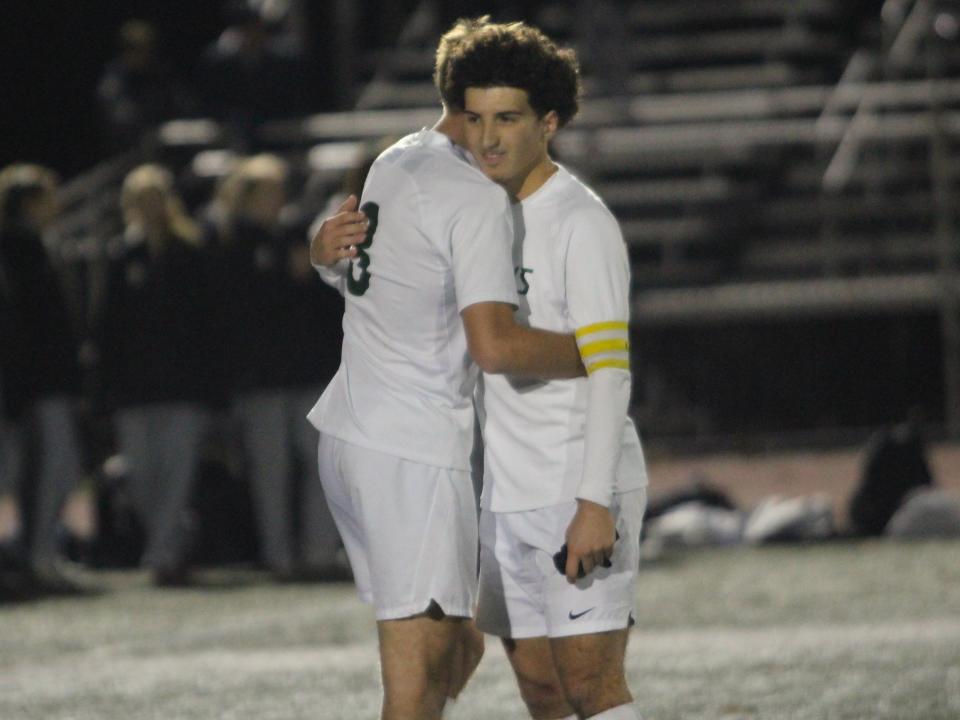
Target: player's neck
[
  {"x": 451, "y": 125},
  {"x": 535, "y": 179}
]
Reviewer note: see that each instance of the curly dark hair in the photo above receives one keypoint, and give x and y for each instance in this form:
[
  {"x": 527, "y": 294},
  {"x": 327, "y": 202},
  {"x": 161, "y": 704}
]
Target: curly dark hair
[
  {"x": 450, "y": 40},
  {"x": 516, "y": 55}
]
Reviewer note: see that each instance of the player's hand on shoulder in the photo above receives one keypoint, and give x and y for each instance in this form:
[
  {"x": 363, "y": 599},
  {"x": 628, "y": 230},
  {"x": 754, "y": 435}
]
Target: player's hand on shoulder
[
  {"x": 590, "y": 539},
  {"x": 338, "y": 235}
]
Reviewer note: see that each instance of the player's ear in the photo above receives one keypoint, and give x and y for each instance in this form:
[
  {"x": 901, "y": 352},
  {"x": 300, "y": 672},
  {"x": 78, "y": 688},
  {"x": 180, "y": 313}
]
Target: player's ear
[{"x": 549, "y": 125}]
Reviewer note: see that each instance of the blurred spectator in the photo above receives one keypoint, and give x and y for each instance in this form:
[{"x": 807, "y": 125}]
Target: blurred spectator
[
  {"x": 283, "y": 347},
  {"x": 41, "y": 377},
  {"x": 11, "y": 442},
  {"x": 156, "y": 348},
  {"x": 136, "y": 91},
  {"x": 249, "y": 74},
  {"x": 895, "y": 464}
]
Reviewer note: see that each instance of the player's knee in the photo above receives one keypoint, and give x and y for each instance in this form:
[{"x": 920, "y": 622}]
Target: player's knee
[
  {"x": 543, "y": 698},
  {"x": 418, "y": 695},
  {"x": 406, "y": 691},
  {"x": 421, "y": 683},
  {"x": 590, "y": 691}
]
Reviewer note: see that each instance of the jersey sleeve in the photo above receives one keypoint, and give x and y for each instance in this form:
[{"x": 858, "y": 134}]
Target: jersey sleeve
[
  {"x": 336, "y": 276},
  {"x": 598, "y": 290},
  {"x": 481, "y": 246},
  {"x": 598, "y": 297}
]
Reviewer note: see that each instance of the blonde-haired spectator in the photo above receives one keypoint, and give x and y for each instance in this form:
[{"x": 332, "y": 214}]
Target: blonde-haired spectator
[
  {"x": 152, "y": 206},
  {"x": 157, "y": 341},
  {"x": 283, "y": 346},
  {"x": 254, "y": 190}
]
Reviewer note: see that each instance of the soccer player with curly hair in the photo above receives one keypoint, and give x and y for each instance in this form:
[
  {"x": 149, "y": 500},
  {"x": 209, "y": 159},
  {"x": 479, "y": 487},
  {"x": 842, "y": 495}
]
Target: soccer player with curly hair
[{"x": 565, "y": 481}]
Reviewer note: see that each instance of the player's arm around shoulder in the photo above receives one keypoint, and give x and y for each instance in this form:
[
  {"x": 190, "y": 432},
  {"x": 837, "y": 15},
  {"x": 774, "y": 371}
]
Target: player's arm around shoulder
[
  {"x": 482, "y": 251},
  {"x": 500, "y": 345}
]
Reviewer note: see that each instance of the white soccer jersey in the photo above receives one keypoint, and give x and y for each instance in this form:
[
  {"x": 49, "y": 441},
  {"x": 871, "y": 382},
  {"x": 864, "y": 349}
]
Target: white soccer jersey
[
  {"x": 439, "y": 239},
  {"x": 573, "y": 277}
]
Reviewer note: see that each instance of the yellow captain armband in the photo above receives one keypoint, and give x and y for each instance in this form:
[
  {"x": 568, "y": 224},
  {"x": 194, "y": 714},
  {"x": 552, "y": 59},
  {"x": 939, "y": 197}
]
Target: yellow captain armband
[
  {"x": 600, "y": 327},
  {"x": 604, "y": 345}
]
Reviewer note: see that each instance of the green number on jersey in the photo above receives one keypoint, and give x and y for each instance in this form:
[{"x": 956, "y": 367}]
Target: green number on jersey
[
  {"x": 521, "y": 273},
  {"x": 358, "y": 286}
]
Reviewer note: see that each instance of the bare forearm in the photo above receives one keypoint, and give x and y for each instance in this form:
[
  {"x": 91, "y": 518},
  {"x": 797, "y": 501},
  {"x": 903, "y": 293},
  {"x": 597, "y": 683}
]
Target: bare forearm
[
  {"x": 502, "y": 347},
  {"x": 543, "y": 354}
]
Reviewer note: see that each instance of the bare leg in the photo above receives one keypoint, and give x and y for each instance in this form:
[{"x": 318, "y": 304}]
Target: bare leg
[
  {"x": 466, "y": 658},
  {"x": 416, "y": 655},
  {"x": 591, "y": 671},
  {"x": 540, "y": 687}
]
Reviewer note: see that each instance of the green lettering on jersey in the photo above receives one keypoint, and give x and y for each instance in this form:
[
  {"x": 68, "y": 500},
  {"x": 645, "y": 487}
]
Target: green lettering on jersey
[{"x": 522, "y": 285}]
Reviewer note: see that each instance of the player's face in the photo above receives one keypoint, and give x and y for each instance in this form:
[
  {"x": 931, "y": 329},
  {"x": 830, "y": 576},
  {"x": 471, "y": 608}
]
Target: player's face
[{"x": 507, "y": 137}]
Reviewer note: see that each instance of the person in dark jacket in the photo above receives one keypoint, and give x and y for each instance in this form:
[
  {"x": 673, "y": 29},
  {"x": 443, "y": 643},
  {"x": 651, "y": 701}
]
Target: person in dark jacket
[
  {"x": 11, "y": 441},
  {"x": 136, "y": 91},
  {"x": 250, "y": 74},
  {"x": 283, "y": 345},
  {"x": 895, "y": 464},
  {"x": 41, "y": 373},
  {"x": 156, "y": 349}
]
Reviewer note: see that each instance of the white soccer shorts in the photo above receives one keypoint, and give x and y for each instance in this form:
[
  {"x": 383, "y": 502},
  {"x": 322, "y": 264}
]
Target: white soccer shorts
[
  {"x": 522, "y": 595},
  {"x": 410, "y": 530}
]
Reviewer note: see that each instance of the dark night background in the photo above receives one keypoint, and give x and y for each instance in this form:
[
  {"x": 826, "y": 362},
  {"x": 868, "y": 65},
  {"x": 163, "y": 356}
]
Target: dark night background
[
  {"x": 52, "y": 53},
  {"x": 52, "y": 57}
]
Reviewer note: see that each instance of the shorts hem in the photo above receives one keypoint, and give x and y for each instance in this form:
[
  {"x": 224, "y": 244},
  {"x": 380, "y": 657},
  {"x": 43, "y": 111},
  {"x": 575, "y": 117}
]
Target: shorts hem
[{"x": 401, "y": 612}]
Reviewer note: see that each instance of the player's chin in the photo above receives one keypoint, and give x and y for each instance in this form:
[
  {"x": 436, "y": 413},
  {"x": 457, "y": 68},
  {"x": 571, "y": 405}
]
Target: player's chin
[{"x": 497, "y": 174}]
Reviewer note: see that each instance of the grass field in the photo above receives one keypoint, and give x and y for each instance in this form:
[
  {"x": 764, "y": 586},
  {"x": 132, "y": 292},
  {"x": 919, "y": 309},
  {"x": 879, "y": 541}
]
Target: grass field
[{"x": 839, "y": 630}]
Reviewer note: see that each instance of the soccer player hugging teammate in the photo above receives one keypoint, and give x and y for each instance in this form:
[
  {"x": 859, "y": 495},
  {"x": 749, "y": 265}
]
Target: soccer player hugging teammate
[
  {"x": 427, "y": 274},
  {"x": 563, "y": 462}
]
